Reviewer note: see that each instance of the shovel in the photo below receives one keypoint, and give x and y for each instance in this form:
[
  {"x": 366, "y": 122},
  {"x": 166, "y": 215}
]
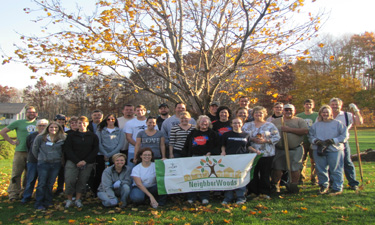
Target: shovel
[
  {"x": 358, "y": 151},
  {"x": 292, "y": 188}
]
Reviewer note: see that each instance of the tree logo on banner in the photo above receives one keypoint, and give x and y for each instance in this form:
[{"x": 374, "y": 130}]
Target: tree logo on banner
[{"x": 210, "y": 164}]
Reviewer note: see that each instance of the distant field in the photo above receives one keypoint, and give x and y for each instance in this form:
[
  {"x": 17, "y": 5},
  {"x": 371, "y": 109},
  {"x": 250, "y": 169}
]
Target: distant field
[{"x": 366, "y": 139}]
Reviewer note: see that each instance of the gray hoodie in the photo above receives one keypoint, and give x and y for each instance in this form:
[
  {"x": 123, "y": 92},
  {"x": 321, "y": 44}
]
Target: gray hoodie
[
  {"x": 110, "y": 143},
  {"x": 47, "y": 151}
]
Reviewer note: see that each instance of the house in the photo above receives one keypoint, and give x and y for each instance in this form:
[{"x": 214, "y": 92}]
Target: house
[{"x": 10, "y": 112}]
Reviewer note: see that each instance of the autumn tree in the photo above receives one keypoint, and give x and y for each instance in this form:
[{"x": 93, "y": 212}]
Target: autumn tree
[
  {"x": 49, "y": 99},
  {"x": 86, "y": 93},
  {"x": 121, "y": 35},
  {"x": 9, "y": 94}
]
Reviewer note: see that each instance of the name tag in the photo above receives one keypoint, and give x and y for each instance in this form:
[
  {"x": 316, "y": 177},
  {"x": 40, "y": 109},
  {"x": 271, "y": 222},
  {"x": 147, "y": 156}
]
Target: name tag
[{"x": 49, "y": 143}]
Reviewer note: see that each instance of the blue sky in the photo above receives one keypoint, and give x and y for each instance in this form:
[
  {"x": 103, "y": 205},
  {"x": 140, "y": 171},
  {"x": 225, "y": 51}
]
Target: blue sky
[{"x": 347, "y": 17}]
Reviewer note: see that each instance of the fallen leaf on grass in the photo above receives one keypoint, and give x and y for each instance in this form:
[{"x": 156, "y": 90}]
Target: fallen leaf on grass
[
  {"x": 100, "y": 220},
  {"x": 338, "y": 207},
  {"x": 266, "y": 218},
  {"x": 243, "y": 208},
  {"x": 25, "y": 221},
  {"x": 361, "y": 207},
  {"x": 284, "y": 211},
  {"x": 299, "y": 216},
  {"x": 111, "y": 211},
  {"x": 227, "y": 211},
  {"x": 343, "y": 218},
  {"x": 226, "y": 221},
  {"x": 71, "y": 221},
  {"x": 134, "y": 209},
  {"x": 303, "y": 208},
  {"x": 252, "y": 213}
]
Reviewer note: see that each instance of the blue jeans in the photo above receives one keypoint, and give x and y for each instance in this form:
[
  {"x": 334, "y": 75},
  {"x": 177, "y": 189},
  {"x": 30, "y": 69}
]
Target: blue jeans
[
  {"x": 130, "y": 156},
  {"x": 349, "y": 168},
  {"x": 240, "y": 192},
  {"x": 47, "y": 173},
  {"x": 31, "y": 176},
  {"x": 109, "y": 197},
  {"x": 138, "y": 196},
  {"x": 330, "y": 167}
]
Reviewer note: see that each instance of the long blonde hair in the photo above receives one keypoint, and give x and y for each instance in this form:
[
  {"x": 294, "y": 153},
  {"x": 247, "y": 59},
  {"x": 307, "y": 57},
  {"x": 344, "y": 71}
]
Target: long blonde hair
[{"x": 330, "y": 117}]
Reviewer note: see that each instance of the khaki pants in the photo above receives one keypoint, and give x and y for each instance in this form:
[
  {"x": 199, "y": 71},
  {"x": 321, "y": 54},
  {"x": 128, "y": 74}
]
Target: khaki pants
[{"x": 19, "y": 166}]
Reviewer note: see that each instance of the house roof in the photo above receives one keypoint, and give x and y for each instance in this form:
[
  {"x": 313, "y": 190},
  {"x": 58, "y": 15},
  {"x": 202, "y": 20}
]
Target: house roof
[{"x": 13, "y": 108}]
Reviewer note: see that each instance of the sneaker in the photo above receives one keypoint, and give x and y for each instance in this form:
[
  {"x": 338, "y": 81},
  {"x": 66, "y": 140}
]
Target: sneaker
[
  {"x": 354, "y": 187},
  {"x": 240, "y": 202},
  {"x": 323, "y": 190},
  {"x": 335, "y": 192},
  {"x": 79, "y": 203},
  {"x": 40, "y": 207},
  {"x": 224, "y": 203},
  {"x": 190, "y": 201},
  {"x": 59, "y": 192},
  {"x": 68, "y": 204},
  {"x": 205, "y": 201}
]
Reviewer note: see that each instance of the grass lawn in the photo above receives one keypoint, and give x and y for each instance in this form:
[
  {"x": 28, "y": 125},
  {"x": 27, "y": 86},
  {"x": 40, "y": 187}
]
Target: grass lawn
[
  {"x": 366, "y": 139},
  {"x": 307, "y": 207},
  {"x": 11, "y": 133}
]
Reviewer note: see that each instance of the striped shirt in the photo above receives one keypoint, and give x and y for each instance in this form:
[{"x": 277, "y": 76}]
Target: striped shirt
[{"x": 178, "y": 137}]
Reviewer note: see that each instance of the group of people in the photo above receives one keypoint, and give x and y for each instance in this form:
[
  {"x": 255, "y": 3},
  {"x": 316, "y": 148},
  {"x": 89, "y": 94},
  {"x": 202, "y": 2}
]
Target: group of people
[{"x": 114, "y": 156}]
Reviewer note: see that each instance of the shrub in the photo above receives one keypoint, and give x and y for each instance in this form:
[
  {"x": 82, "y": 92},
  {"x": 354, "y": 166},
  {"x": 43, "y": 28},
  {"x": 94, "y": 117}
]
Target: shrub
[{"x": 6, "y": 150}]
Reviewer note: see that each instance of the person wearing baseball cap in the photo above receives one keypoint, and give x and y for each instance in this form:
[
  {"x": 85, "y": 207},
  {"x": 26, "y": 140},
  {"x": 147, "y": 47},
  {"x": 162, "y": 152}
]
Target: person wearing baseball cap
[
  {"x": 212, "y": 111},
  {"x": 164, "y": 114},
  {"x": 295, "y": 128}
]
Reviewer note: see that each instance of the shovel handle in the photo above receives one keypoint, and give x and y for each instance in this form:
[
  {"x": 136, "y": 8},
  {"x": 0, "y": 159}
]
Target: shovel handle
[
  {"x": 286, "y": 148},
  {"x": 358, "y": 150}
]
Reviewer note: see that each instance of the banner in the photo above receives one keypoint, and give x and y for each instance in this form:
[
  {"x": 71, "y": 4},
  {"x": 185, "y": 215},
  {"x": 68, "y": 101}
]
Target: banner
[{"x": 212, "y": 173}]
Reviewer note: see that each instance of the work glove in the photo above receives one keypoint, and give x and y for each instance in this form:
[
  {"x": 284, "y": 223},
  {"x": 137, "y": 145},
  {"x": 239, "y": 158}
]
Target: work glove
[
  {"x": 321, "y": 150},
  {"x": 353, "y": 107},
  {"x": 329, "y": 142},
  {"x": 319, "y": 142},
  {"x": 117, "y": 184}
]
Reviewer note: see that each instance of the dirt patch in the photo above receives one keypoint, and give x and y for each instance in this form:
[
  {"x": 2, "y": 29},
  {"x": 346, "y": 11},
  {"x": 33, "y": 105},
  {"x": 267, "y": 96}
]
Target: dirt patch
[{"x": 367, "y": 156}]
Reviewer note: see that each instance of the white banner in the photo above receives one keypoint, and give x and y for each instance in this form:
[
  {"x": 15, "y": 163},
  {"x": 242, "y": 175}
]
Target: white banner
[{"x": 203, "y": 173}]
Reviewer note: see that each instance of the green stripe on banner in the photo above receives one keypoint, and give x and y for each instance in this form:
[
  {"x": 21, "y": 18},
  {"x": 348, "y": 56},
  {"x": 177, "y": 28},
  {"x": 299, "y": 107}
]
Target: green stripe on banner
[
  {"x": 255, "y": 161},
  {"x": 160, "y": 173}
]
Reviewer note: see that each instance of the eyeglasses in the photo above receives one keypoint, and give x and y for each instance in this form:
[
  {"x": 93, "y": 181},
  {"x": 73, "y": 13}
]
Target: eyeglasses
[
  {"x": 111, "y": 119},
  {"x": 42, "y": 125},
  {"x": 287, "y": 110}
]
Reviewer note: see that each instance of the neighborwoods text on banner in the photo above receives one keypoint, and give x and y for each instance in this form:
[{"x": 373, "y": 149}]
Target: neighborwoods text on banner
[{"x": 204, "y": 173}]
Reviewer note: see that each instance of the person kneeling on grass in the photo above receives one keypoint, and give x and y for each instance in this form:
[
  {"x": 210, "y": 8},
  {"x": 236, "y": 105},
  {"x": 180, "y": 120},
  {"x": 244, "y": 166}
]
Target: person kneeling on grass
[
  {"x": 115, "y": 182},
  {"x": 144, "y": 176}
]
